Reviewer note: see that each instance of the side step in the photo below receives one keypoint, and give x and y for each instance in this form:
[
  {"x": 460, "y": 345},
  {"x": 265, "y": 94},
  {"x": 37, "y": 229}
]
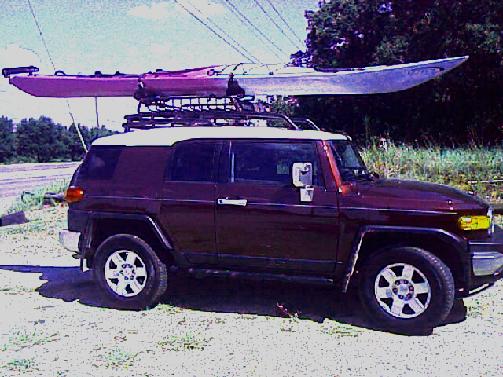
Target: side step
[{"x": 260, "y": 276}]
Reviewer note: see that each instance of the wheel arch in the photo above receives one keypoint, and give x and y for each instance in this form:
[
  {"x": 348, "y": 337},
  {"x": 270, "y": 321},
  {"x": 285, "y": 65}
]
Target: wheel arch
[
  {"x": 448, "y": 247},
  {"x": 102, "y": 225}
]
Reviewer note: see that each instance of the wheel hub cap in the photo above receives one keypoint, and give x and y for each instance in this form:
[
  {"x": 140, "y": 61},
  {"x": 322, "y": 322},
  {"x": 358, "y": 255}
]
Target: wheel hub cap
[
  {"x": 402, "y": 290},
  {"x": 125, "y": 273}
]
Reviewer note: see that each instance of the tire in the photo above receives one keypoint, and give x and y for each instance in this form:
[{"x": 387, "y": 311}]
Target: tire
[
  {"x": 406, "y": 289},
  {"x": 129, "y": 272}
]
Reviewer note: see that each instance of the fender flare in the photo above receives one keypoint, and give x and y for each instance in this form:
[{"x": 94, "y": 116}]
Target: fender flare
[
  {"x": 85, "y": 241},
  {"x": 458, "y": 243}
]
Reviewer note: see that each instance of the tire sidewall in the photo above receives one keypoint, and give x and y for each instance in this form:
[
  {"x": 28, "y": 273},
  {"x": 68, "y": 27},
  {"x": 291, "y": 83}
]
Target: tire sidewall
[
  {"x": 436, "y": 272},
  {"x": 152, "y": 263}
]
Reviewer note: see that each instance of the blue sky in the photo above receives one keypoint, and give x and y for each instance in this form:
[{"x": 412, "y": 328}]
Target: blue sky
[{"x": 133, "y": 37}]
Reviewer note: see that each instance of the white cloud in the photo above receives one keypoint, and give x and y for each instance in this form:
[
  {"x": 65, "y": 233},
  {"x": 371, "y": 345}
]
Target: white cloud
[{"x": 162, "y": 10}]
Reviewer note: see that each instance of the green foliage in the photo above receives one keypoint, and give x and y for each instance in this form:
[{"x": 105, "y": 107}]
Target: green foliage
[
  {"x": 464, "y": 106},
  {"x": 35, "y": 199},
  {"x": 453, "y": 167},
  {"x": 7, "y": 147},
  {"x": 42, "y": 140}
]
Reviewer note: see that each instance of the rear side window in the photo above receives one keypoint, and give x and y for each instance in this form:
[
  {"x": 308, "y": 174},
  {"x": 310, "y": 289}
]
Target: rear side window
[
  {"x": 270, "y": 163},
  {"x": 100, "y": 163},
  {"x": 193, "y": 161}
]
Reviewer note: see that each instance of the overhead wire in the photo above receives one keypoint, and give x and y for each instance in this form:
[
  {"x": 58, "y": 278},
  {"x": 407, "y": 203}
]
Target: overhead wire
[
  {"x": 285, "y": 22},
  {"x": 42, "y": 38},
  {"x": 276, "y": 24},
  {"x": 225, "y": 34},
  {"x": 212, "y": 29},
  {"x": 251, "y": 26}
]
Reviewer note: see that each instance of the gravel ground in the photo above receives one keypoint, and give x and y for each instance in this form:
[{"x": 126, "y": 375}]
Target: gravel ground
[{"x": 55, "y": 323}]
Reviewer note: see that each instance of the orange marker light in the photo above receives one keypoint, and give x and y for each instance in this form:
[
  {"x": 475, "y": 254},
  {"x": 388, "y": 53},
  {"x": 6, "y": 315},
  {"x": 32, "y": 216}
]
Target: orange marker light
[{"x": 74, "y": 194}]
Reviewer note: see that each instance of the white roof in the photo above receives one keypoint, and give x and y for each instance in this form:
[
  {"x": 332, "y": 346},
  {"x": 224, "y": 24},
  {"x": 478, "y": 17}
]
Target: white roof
[{"x": 170, "y": 135}]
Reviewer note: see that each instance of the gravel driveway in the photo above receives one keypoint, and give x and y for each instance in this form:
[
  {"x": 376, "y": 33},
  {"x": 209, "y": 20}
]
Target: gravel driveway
[{"x": 55, "y": 323}]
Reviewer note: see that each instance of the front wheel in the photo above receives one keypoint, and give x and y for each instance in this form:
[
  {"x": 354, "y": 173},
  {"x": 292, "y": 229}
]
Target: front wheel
[
  {"x": 406, "y": 289},
  {"x": 129, "y": 272}
]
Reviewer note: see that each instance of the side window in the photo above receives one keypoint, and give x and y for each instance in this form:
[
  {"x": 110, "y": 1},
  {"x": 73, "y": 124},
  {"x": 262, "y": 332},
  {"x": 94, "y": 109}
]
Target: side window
[
  {"x": 193, "y": 161},
  {"x": 270, "y": 162},
  {"x": 100, "y": 163}
]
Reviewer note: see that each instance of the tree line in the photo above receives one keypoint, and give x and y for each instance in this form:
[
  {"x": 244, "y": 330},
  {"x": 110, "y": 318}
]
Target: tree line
[
  {"x": 463, "y": 107},
  {"x": 43, "y": 140}
]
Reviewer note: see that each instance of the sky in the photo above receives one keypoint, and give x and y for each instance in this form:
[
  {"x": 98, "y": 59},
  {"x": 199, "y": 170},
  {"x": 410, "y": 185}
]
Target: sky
[{"x": 132, "y": 37}]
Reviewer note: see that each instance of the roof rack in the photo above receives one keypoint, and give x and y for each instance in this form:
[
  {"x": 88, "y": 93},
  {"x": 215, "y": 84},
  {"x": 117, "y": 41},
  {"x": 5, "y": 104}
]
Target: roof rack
[{"x": 190, "y": 103}]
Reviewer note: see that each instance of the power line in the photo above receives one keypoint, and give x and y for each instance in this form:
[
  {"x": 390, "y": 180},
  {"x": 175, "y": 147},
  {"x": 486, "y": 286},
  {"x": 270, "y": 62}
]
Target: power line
[
  {"x": 32, "y": 11},
  {"x": 254, "y": 28},
  {"x": 225, "y": 34},
  {"x": 251, "y": 59},
  {"x": 285, "y": 22},
  {"x": 275, "y": 23}
]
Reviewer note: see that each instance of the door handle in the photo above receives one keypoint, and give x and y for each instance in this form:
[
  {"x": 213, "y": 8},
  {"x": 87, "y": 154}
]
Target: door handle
[{"x": 232, "y": 202}]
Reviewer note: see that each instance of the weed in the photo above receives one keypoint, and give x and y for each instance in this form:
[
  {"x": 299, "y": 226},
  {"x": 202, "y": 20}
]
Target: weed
[
  {"x": 21, "y": 365},
  {"x": 290, "y": 324},
  {"x": 169, "y": 309},
  {"x": 187, "y": 341},
  {"x": 118, "y": 358},
  {"x": 19, "y": 339},
  {"x": 340, "y": 330}
]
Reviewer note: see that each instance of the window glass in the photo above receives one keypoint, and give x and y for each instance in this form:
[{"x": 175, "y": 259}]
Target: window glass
[
  {"x": 270, "y": 162},
  {"x": 193, "y": 161},
  {"x": 100, "y": 163},
  {"x": 351, "y": 165}
]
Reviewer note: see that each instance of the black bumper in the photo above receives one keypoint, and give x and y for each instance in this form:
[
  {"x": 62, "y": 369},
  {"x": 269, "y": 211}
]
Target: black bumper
[{"x": 487, "y": 260}]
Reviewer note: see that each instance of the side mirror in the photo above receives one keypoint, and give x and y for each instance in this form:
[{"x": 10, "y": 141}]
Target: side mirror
[
  {"x": 302, "y": 174},
  {"x": 302, "y": 177}
]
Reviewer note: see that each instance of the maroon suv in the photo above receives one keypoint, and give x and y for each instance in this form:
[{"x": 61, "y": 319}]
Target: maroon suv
[{"x": 275, "y": 203}]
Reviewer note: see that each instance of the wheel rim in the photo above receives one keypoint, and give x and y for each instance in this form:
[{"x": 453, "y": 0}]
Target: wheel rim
[
  {"x": 402, "y": 290},
  {"x": 125, "y": 273}
]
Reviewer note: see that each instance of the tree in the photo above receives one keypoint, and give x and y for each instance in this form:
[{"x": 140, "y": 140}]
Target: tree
[
  {"x": 7, "y": 147},
  {"x": 465, "y": 105}
]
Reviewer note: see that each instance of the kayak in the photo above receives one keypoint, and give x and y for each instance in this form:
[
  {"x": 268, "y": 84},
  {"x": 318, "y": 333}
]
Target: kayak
[{"x": 250, "y": 79}]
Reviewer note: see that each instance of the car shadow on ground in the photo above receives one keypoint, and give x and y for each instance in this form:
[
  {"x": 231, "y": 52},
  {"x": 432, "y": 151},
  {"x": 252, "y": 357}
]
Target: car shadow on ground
[{"x": 222, "y": 295}]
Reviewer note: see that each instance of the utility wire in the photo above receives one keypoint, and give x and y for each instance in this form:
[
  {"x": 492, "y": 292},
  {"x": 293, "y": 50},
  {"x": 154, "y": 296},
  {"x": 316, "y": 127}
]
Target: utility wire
[
  {"x": 275, "y": 23},
  {"x": 259, "y": 33},
  {"x": 32, "y": 11},
  {"x": 249, "y": 58},
  {"x": 225, "y": 34},
  {"x": 285, "y": 22}
]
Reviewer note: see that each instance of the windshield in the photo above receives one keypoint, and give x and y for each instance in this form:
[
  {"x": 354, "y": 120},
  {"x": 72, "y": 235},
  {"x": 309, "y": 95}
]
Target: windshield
[{"x": 349, "y": 162}]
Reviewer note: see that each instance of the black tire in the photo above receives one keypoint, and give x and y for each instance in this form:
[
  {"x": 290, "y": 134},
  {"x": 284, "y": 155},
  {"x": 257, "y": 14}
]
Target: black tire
[
  {"x": 155, "y": 283},
  {"x": 439, "y": 278}
]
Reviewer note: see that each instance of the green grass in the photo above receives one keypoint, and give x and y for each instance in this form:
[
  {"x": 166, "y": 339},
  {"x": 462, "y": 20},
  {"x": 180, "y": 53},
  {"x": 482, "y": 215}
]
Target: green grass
[
  {"x": 21, "y": 365},
  {"x": 36, "y": 198},
  {"x": 19, "y": 339},
  {"x": 453, "y": 167},
  {"x": 117, "y": 358},
  {"x": 185, "y": 342}
]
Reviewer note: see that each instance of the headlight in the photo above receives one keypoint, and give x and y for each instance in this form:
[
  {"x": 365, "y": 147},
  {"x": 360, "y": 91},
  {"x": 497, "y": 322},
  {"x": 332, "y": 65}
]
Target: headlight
[{"x": 474, "y": 222}]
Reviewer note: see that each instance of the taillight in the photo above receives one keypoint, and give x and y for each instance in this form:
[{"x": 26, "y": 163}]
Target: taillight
[{"x": 74, "y": 194}]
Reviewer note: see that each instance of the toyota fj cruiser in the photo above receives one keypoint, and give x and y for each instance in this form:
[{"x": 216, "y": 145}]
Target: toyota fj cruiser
[{"x": 273, "y": 201}]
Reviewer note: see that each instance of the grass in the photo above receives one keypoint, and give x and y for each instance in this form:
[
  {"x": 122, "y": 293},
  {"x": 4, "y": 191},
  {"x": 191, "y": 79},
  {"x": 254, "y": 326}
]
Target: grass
[
  {"x": 36, "y": 198},
  {"x": 340, "y": 330},
  {"x": 118, "y": 358},
  {"x": 185, "y": 342},
  {"x": 19, "y": 339},
  {"x": 21, "y": 365},
  {"x": 453, "y": 167}
]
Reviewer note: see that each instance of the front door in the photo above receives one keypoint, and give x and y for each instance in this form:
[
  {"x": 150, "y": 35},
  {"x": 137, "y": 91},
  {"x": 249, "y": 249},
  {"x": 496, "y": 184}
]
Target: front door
[
  {"x": 187, "y": 199},
  {"x": 260, "y": 221}
]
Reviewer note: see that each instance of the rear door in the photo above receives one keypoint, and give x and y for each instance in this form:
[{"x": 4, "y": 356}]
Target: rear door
[
  {"x": 187, "y": 199},
  {"x": 260, "y": 220}
]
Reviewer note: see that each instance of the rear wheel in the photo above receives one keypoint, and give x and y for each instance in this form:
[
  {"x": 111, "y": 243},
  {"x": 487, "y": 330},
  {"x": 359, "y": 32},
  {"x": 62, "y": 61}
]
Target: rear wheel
[
  {"x": 406, "y": 289},
  {"x": 129, "y": 272}
]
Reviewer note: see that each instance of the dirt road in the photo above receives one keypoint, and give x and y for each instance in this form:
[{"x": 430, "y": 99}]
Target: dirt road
[
  {"x": 16, "y": 178},
  {"x": 55, "y": 322}
]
